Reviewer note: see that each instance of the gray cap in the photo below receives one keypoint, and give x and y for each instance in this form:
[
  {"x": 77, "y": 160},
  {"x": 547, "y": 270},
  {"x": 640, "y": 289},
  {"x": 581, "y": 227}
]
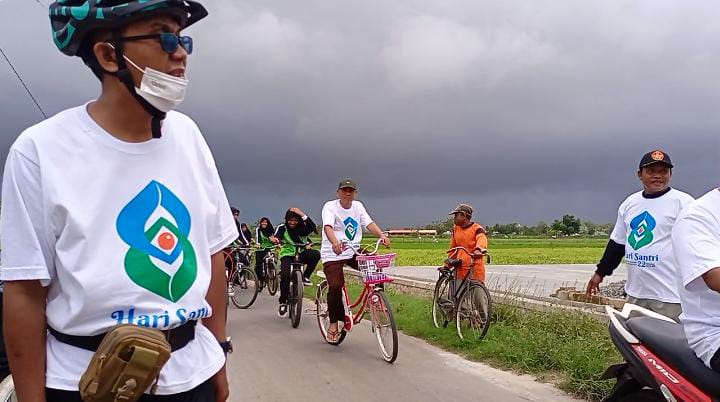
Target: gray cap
[
  {"x": 347, "y": 183},
  {"x": 464, "y": 208}
]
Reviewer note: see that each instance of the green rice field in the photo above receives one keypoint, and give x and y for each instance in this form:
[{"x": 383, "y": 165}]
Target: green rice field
[{"x": 569, "y": 250}]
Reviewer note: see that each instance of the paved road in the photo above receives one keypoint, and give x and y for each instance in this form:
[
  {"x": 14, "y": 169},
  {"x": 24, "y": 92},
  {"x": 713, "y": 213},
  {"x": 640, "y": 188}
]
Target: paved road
[
  {"x": 536, "y": 280},
  {"x": 273, "y": 362}
]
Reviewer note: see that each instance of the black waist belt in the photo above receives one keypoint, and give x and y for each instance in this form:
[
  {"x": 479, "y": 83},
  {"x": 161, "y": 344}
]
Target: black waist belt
[{"x": 177, "y": 337}]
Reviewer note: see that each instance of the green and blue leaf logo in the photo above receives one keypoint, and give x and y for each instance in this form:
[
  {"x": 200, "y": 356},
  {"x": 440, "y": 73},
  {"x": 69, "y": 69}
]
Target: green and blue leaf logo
[
  {"x": 351, "y": 228},
  {"x": 156, "y": 224},
  {"x": 641, "y": 233}
]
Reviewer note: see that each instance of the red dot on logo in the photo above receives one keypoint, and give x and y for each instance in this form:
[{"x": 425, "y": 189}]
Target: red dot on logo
[{"x": 166, "y": 241}]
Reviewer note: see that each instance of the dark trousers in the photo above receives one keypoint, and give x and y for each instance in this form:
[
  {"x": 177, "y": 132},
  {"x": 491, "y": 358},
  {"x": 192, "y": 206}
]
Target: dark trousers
[
  {"x": 244, "y": 259},
  {"x": 715, "y": 361},
  {"x": 308, "y": 257},
  {"x": 336, "y": 280},
  {"x": 202, "y": 393},
  {"x": 259, "y": 257},
  {"x": 4, "y": 367}
]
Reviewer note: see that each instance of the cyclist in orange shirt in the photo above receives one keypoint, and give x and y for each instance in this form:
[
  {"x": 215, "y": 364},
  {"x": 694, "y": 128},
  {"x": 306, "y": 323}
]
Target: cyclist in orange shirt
[{"x": 472, "y": 236}]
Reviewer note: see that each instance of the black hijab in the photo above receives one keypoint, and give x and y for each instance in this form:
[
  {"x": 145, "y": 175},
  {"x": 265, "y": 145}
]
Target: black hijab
[{"x": 269, "y": 230}]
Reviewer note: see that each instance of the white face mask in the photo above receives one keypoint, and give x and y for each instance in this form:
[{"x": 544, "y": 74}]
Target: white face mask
[{"x": 164, "y": 91}]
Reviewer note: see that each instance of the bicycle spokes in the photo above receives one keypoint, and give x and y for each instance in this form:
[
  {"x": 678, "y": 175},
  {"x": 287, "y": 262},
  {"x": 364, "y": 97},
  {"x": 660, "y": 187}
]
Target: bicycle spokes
[
  {"x": 243, "y": 288},
  {"x": 384, "y": 326},
  {"x": 473, "y": 313}
]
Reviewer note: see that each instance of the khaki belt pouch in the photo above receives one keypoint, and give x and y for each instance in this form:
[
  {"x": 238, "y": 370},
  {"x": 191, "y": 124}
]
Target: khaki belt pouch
[{"x": 125, "y": 365}]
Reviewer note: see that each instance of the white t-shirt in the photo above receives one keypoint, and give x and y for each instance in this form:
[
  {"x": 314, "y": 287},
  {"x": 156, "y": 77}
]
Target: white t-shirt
[
  {"x": 120, "y": 232},
  {"x": 644, "y": 226},
  {"x": 696, "y": 242},
  {"x": 348, "y": 226}
]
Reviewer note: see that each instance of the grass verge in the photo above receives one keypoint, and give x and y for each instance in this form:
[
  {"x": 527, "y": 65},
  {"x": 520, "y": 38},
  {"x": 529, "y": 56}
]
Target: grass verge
[{"x": 567, "y": 349}]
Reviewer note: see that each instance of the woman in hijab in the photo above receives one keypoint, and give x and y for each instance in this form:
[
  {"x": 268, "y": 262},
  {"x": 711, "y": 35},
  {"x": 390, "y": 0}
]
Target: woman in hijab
[
  {"x": 263, "y": 232},
  {"x": 296, "y": 230}
]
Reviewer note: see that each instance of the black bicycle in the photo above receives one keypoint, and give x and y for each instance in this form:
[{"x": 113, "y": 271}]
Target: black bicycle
[
  {"x": 269, "y": 268},
  {"x": 468, "y": 302},
  {"x": 295, "y": 297},
  {"x": 242, "y": 283}
]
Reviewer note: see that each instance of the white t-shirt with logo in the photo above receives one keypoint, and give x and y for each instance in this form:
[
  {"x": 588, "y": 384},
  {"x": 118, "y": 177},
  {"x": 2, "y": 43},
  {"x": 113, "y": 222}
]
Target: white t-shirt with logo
[
  {"x": 644, "y": 226},
  {"x": 696, "y": 242},
  {"x": 120, "y": 233},
  {"x": 347, "y": 225}
]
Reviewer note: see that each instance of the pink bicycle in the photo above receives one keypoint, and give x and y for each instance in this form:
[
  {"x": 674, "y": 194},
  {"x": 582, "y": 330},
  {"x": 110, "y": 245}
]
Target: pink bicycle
[{"x": 372, "y": 301}]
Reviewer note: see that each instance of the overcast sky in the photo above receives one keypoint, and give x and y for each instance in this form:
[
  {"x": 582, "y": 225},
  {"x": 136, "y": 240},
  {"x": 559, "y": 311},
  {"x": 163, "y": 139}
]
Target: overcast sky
[{"x": 524, "y": 109}]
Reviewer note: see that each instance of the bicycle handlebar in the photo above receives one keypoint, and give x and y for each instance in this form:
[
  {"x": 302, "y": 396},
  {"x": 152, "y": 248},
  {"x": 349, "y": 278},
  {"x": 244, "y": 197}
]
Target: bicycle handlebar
[
  {"x": 473, "y": 256},
  {"x": 484, "y": 251},
  {"x": 240, "y": 247},
  {"x": 359, "y": 252}
]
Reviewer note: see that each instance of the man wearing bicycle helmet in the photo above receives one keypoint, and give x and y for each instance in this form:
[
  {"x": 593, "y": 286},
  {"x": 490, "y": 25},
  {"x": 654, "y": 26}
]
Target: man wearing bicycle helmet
[
  {"x": 472, "y": 237},
  {"x": 296, "y": 230},
  {"x": 343, "y": 223},
  {"x": 113, "y": 212}
]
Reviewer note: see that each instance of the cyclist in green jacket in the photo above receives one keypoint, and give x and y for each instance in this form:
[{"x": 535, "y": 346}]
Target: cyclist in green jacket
[
  {"x": 296, "y": 230},
  {"x": 263, "y": 232}
]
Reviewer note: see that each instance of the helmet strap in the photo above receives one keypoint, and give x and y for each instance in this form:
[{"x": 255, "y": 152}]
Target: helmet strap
[{"x": 125, "y": 77}]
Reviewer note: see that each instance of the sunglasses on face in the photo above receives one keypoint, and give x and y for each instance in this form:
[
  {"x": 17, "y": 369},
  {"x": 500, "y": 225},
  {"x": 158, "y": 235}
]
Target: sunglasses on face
[{"x": 168, "y": 41}]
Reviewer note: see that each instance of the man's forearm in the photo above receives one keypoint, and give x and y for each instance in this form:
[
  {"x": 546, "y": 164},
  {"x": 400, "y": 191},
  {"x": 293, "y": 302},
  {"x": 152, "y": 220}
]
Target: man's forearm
[
  {"x": 330, "y": 234},
  {"x": 25, "y": 331},
  {"x": 611, "y": 258},
  {"x": 217, "y": 298}
]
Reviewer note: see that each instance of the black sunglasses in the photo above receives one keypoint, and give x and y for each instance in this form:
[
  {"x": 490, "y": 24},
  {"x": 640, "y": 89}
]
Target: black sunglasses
[{"x": 168, "y": 41}]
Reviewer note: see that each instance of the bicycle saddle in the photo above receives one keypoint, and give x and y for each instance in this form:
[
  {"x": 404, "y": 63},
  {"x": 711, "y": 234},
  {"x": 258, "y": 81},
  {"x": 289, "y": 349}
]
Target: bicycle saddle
[{"x": 453, "y": 262}]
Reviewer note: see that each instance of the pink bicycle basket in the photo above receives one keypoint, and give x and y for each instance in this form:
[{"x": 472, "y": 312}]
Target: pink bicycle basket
[{"x": 372, "y": 267}]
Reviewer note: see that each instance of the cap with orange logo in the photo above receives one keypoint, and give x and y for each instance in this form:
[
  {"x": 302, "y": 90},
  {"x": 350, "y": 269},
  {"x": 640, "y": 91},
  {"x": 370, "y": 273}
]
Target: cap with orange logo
[{"x": 656, "y": 156}]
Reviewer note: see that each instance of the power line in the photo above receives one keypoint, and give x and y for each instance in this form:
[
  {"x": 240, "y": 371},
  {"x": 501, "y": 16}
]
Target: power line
[{"x": 23, "y": 83}]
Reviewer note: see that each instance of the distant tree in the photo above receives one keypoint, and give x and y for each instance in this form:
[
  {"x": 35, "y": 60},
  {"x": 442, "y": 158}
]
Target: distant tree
[
  {"x": 541, "y": 228},
  {"x": 568, "y": 225},
  {"x": 442, "y": 226},
  {"x": 591, "y": 227}
]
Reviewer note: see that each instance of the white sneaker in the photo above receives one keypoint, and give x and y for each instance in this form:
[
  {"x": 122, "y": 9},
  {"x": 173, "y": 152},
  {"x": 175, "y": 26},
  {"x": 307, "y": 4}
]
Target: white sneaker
[{"x": 283, "y": 311}]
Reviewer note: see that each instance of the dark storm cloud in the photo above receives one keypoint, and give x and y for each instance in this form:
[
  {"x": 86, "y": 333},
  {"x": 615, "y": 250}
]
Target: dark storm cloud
[{"x": 527, "y": 109}]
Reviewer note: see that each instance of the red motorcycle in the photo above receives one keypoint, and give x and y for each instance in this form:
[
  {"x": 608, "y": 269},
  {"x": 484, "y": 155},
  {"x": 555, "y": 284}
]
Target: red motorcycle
[{"x": 659, "y": 364}]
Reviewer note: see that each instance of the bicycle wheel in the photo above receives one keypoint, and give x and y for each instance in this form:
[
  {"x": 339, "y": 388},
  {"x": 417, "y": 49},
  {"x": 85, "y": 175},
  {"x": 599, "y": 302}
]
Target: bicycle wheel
[
  {"x": 7, "y": 390},
  {"x": 323, "y": 315},
  {"x": 384, "y": 326},
  {"x": 296, "y": 298},
  {"x": 244, "y": 288},
  {"x": 472, "y": 318},
  {"x": 273, "y": 281},
  {"x": 442, "y": 304}
]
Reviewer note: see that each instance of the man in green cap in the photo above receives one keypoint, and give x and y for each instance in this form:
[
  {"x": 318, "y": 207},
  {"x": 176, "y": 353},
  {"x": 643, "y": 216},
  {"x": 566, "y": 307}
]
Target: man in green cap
[{"x": 343, "y": 222}]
